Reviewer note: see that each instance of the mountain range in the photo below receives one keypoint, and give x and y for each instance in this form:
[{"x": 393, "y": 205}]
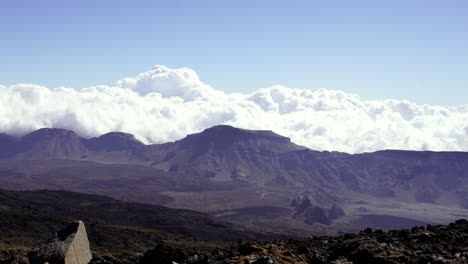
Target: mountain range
[{"x": 257, "y": 178}]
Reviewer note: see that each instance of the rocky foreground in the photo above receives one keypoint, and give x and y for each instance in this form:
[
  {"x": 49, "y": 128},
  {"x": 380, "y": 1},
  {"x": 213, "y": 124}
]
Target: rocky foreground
[{"x": 431, "y": 244}]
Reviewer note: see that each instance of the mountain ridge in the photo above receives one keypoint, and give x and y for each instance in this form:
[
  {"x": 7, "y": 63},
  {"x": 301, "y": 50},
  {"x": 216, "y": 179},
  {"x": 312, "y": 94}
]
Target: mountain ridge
[
  {"x": 229, "y": 171},
  {"x": 128, "y": 138}
]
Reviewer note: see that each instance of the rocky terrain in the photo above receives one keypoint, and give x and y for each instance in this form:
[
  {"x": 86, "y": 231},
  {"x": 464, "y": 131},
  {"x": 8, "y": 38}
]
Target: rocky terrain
[
  {"x": 69, "y": 245},
  {"x": 430, "y": 244},
  {"x": 247, "y": 177},
  {"x": 315, "y": 214}
]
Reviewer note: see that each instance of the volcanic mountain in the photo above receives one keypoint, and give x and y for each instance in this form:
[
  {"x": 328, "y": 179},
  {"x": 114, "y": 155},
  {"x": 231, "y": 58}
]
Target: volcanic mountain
[{"x": 251, "y": 177}]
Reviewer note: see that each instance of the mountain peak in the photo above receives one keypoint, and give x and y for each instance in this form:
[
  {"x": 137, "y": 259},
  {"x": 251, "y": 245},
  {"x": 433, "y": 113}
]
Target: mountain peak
[
  {"x": 227, "y": 132},
  {"x": 223, "y": 137},
  {"x": 119, "y": 135},
  {"x": 45, "y": 133},
  {"x": 115, "y": 141},
  {"x": 50, "y": 143},
  {"x": 222, "y": 128}
]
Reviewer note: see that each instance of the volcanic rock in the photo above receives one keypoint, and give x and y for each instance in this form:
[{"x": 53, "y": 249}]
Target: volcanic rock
[
  {"x": 315, "y": 214},
  {"x": 69, "y": 246}
]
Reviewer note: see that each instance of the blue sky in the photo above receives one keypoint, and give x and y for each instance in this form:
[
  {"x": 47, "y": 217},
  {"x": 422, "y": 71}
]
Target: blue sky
[{"x": 415, "y": 50}]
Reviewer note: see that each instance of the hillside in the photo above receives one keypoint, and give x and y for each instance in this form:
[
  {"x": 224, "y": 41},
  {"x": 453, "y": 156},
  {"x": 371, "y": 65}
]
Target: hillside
[{"x": 32, "y": 213}]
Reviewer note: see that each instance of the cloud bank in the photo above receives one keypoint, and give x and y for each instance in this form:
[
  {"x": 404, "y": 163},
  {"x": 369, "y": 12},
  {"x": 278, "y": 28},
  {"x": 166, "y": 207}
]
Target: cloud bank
[{"x": 166, "y": 104}]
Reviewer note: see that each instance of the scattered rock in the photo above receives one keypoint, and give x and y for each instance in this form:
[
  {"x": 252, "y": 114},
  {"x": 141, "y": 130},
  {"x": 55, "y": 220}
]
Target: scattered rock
[
  {"x": 433, "y": 244},
  {"x": 69, "y": 246},
  {"x": 260, "y": 260},
  {"x": 163, "y": 254},
  {"x": 430, "y": 244}
]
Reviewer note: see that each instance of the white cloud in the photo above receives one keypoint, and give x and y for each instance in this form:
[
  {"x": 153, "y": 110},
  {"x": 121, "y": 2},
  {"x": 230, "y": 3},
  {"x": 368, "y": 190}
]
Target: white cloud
[
  {"x": 183, "y": 83},
  {"x": 165, "y": 104}
]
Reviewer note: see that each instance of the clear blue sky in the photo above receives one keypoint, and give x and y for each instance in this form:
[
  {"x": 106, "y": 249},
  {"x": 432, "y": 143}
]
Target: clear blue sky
[{"x": 402, "y": 49}]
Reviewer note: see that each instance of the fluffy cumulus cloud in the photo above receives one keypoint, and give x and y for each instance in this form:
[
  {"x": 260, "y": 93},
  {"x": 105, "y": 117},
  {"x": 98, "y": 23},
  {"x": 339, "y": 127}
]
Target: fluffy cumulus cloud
[{"x": 166, "y": 104}]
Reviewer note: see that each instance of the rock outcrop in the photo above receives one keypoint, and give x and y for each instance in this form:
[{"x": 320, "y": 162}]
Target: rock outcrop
[
  {"x": 69, "y": 246},
  {"x": 315, "y": 214}
]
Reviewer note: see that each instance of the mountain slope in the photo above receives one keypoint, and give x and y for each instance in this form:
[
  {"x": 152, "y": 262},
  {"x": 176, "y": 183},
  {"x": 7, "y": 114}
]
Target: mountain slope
[
  {"x": 50, "y": 144},
  {"x": 244, "y": 176},
  {"x": 226, "y": 153},
  {"x": 100, "y": 209}
]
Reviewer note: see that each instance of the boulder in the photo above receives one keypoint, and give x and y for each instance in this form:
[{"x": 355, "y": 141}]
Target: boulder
[{"x": 68, "y": 246}]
